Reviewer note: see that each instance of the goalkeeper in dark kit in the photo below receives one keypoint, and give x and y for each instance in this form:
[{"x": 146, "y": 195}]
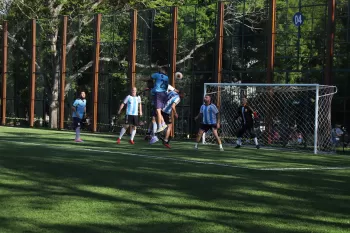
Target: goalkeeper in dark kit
[{"x": 248, "y": 115}]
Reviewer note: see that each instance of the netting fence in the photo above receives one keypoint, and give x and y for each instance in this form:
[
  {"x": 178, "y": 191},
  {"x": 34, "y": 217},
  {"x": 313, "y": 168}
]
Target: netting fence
[{"x": 289, "y": 116}]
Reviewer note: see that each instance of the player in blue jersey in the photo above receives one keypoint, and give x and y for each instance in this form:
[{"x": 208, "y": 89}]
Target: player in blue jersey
[
  {"x": 161, "y": 82},
  {"x": 133, "y": 110},
  {"x": 79, "y": 111},
  {"x": 210, "y": 120}
]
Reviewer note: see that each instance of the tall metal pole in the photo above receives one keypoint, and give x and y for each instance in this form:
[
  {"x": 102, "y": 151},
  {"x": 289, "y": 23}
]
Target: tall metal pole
[
  {"x": 330, "y": 42},
  {"x": 173, "y": 53},
  {"x": 32, "y": 74},
  {"x": 132, "y": 49},
  {"x": 63, "y": 70},
  {"x": 4, "y": 73},
  {"x": 96, "y": 68},
  {"x": 219, "y": 48},
  {"x": 271, "y": 43}
]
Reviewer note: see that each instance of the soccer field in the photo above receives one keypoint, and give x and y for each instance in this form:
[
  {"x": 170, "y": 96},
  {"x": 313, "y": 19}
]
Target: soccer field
[{"x": 48, "y": 183}]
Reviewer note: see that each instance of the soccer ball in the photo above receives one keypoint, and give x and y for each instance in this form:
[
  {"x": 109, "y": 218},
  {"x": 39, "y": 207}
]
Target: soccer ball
[{"x": 178, "y": 75}]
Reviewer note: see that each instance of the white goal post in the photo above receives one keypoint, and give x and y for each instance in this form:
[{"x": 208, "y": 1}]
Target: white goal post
[{"x": 294, "y": 116}]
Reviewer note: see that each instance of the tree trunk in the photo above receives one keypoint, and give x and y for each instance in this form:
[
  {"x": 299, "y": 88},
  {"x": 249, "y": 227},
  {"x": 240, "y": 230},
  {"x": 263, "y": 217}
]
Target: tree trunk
[{"x": 54, "y": 100}]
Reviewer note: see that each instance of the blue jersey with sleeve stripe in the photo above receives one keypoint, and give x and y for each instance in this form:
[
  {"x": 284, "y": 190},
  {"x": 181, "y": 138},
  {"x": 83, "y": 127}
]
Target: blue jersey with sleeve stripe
[
  {"x": 174, "y": 100},
  {"x": 209, "y": 114},
  {"x": 161, "y": 82},
  {"x": 132, "y": 102},
  {"x": 79, "y": 105}
]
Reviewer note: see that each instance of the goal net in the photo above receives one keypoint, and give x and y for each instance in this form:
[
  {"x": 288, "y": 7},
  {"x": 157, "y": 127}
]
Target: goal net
[{"x": 294, "y": 116}]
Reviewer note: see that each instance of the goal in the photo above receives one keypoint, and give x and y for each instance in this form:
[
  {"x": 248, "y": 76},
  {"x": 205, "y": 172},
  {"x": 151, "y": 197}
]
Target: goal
[{"x": 292, "y": 116}]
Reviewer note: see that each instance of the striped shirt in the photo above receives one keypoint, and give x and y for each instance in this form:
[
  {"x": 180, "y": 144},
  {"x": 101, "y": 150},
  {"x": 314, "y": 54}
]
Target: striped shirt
[
  {"x": 173, "y": 100},
  {"x": 209, "y": 114},
  {"x": 172, "y": 94},
  {"x": 132, "y": 102}
]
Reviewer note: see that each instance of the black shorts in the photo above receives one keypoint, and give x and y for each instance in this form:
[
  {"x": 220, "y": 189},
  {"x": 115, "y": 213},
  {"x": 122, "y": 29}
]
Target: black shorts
[
  {"x": 131, "y": 120},
  {"x": 167, "y": 118},
  {"x": 206, "y": 127},
  {"x": 76, "y": 122}
]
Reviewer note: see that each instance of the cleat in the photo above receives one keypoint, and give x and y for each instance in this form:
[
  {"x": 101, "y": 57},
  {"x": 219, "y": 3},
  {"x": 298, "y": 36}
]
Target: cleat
[
  {"x": 238, "y": 146},
  {"x": 131, "y": 142},
  {"x": 167, "y": 145},
  {"x": 221, "y": 149},
  {"x": 153, "y": 140},
  {"x": 196, "y": 147},
  {"x": 257, "y": 146},
  {"x": 162, "y": 128},
  {"x": 118, "y": 141},
  {"x": 78, "y": 140}
]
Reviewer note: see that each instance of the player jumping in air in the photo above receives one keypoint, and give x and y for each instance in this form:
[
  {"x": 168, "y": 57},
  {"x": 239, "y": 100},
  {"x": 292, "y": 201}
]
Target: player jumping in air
[
  {"x": 247, "y": 114},
  {"x": 79, "y": 110},
  {"x": 173, "y": 100},
  {"x": 210, "y": 120},
  {"x": 133, "y": 109},
  {"x": 160, "y": 97}
]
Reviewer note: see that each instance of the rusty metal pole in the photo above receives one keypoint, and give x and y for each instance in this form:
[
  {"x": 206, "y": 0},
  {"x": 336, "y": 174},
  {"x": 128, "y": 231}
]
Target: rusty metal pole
[
  {"x": 330, "y": 42},
  {"x": 132, "y": 49},
  {"x": 63, "y": 70},
  {"x": 4, "y": 73},
  {"x": 96, "y": 68},
  {"x": 219, "y": 49},
  {"x": 173, "y": 53},
  {"x": 32, "y": 74},
  {"x": 271, "y": 42}
]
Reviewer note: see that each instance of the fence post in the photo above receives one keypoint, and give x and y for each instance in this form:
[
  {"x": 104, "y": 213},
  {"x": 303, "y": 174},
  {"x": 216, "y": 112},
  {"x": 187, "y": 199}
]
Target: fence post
[
  {"x": 173, "y": 53},
  {"x": 32, "y": 74},
  {"x": 132, "y": 49},
  {"x": 330, "y": 42},
  {"x": 271, "y": 42},
  {"x": 63, "y": 70},
  {"x": 219, "y": 48},
  {"x": 4, "y": 73},
  {"x": 96, "y": 67}
]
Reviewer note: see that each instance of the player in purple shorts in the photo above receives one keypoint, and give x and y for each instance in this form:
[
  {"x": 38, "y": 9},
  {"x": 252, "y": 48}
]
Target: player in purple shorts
[{"x": 161, "y": 82}]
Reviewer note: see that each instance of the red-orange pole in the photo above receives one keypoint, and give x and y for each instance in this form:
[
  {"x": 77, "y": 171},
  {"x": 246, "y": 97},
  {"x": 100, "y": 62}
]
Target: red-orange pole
[
  {"x": 132, "y": 49},
  {"x": 173, "y": 56},
  {"x": 63, "y": 70},
  {"x": 4, "y": 73},
  {"x": 219, "y": 48},
  {"x": 271, "y": 43},
  {"x": 330, "y": 42},
  {"x": 32, "y": 74},
  {"x": 96, "y": 71}
]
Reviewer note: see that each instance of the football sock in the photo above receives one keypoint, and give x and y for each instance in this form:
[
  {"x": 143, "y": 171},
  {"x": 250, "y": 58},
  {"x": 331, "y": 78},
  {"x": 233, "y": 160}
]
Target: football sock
[
  {"x": 77, "y": 133},
  {"x": 256, "y": 141},
  {"x": 154, "y": 129},
  {"x": 122, "y": 132},
  {"x": 133, "y": 132},
  {"x": 239, "y": 141}
]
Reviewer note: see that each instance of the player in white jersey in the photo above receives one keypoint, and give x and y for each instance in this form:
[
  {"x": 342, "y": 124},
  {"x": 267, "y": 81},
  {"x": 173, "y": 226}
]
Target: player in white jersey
[
  {"x": 133, "y": 110},
  {"x": 79, "y": 110},
  {"x": 210, "y": 120}
]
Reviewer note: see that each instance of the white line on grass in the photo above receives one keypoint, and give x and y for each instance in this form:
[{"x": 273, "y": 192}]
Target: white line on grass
[{"x": 185, "y": 160}]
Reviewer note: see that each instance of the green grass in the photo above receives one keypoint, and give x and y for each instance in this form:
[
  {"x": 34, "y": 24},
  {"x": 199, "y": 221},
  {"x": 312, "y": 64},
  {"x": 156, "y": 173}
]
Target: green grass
[{"x": 50, "y": 184}]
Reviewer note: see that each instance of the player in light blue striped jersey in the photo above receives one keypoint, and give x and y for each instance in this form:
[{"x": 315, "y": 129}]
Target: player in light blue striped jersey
[
  {"x": 133, "y": 110},
  {"x": 170, "y": 107},
  {"x": 210, "y": 121}
]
